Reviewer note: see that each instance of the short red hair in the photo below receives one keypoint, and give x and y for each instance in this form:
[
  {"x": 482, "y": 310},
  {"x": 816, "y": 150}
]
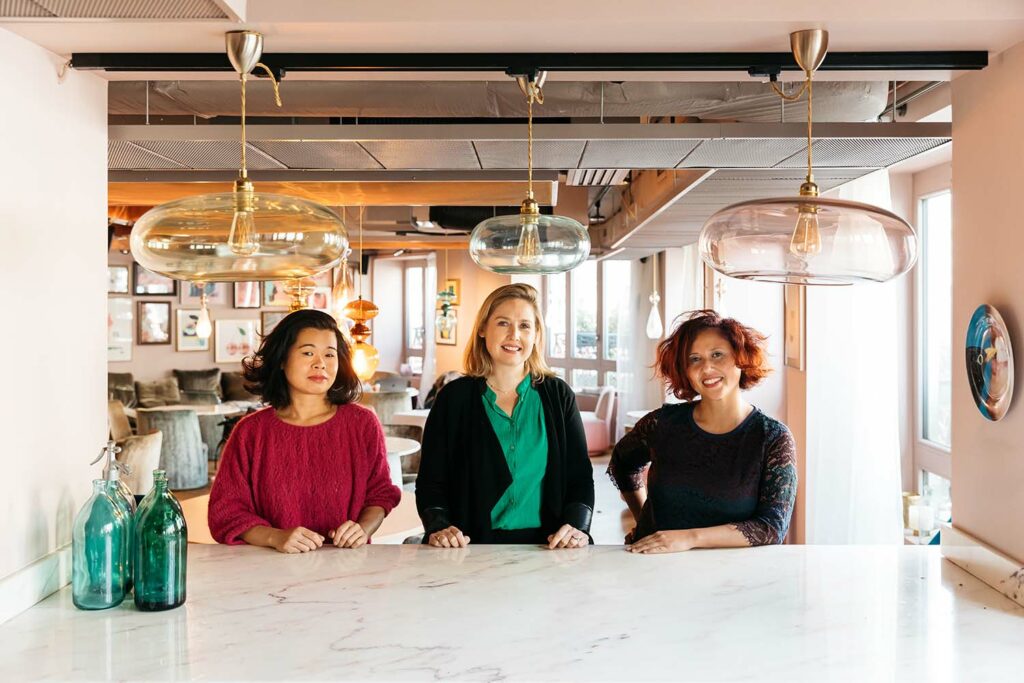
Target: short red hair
[{"x": 747, "y": 344}]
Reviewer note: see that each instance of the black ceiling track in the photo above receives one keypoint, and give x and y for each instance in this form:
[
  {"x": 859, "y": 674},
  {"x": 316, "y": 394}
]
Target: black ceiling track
[{"x": 759, "y": 63}]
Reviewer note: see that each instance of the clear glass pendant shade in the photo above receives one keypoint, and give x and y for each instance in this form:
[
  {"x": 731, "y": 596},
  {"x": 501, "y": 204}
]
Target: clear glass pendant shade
[
  {"x": 523, "y": 243},
  {"x": 237, "y": 237},
  {"x": 808, "y": 241}
]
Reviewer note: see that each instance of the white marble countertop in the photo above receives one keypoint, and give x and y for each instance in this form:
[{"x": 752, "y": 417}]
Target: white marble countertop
[{"x": 786, "y": 613}]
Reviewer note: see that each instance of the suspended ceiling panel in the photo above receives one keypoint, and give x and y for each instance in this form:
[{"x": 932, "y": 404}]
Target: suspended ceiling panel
[
  {"x": 319, "y": 155},
  {"x": 112, "y": 9},
  {"x": 500, "y": 147},
  {"x": 680, "y": 223},
  {"x": 123, "y": 154}
]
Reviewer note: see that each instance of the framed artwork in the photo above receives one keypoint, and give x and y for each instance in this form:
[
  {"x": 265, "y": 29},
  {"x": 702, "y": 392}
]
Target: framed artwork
[
  {"x": 119, "y": 328},
  {"x": 274, "y": 294},
  {"x": 117, "y": 280},
  {"x": 247, "y": 295},
  {"x": 454, "y": 285},
  {"x": 216, "y": 294},
  {"x": 795, "y": 305},
  {"x": 320, "y": 299},
  {"x": 154, "y": 322},
  {"x": 148, "y": 282},
  {"x": 235, "y": 339},
  {"x": 186, "y": 338},
  {"x": 270, "y": 319},
  {"x": 447, "y": 337}
]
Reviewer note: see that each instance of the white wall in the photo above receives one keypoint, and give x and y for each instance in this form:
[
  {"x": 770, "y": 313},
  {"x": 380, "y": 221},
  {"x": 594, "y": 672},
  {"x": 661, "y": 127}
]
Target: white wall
[{"x": 53, "y": 268}]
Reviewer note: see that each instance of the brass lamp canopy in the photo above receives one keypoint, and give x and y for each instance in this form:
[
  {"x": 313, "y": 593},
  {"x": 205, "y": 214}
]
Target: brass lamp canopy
[
  {"x": 241, "y": 235},
  {"x": 807, "y": 239}
]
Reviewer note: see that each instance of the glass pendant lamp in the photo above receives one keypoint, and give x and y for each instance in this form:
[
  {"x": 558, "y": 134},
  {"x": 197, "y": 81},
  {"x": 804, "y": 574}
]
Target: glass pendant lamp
[
  {"x": 529, "y": 242},
  {"x": 242, "y": 235},
  {"x": 365, "y": 358},
  {"x": 807, "y": 239},
  {"x": 654, "y": 327},
  {"x": 447, "y": 318}
]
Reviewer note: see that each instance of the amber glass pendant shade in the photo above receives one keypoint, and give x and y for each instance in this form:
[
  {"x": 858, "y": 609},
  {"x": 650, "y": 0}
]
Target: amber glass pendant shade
[
  {"x": 365, "y": 359},
  {"x": 191, "y": 239}
]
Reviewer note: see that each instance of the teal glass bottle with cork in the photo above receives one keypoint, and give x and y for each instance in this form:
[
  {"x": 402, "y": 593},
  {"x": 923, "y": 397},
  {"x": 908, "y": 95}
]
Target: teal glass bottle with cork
[
  {"x": 160, "y": 549},
  {"x": 122, "y": 495}
]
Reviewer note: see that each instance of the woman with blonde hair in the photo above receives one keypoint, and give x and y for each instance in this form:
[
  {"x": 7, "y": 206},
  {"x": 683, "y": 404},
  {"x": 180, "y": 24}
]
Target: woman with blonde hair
[{"x": 504, "y": 456}]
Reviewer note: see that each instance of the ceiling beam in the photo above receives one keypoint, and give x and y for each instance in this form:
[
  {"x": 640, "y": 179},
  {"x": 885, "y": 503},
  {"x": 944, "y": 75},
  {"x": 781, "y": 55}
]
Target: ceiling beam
[
  {"x": 371, "y": 193},
  {"x": 650, "y": 193}
]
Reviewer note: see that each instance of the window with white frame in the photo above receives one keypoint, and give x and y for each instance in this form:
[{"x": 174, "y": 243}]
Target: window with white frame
[
  {"x": 414, "y": 324},
  {"x": 934, "y": 350},
  {"x": 582, "y": 311}
]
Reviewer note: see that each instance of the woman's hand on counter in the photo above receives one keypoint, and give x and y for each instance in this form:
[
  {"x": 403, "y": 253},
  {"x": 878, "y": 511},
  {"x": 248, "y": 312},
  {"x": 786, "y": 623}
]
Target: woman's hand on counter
[
  {"x": 568, "y": 536},
  {"x": 349, "y": 535},
  {"x": 296, "y": 540},
  {"x": 664, "y": 542},
  {"x": 451, "y": 537}
]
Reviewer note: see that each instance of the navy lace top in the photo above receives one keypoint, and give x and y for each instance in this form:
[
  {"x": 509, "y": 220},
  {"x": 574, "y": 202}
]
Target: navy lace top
[{"x": 746, "y": 477}]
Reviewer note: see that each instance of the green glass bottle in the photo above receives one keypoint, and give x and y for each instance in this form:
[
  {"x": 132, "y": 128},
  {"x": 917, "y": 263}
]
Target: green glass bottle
[
  {"x": 97, "y": 551},
  {"x": 126, "y": 547},
  {"x": 120, "y": 492},
  {"x": 160, "y": 549}
]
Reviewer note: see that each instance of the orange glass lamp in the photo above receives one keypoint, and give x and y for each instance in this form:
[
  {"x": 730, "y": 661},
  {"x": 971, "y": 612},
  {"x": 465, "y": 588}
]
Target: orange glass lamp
[{"x": 365, "y": 358}]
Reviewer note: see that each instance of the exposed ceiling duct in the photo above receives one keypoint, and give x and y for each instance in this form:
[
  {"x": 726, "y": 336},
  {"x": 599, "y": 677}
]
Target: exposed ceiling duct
[{"x": 745, "y": 102}]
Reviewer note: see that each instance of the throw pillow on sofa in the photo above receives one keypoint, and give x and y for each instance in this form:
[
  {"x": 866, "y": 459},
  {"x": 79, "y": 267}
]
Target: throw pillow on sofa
[
  {"x": 199, "y": 380},
  {"x": 162, "y": 392},
  {"x": 121, "y": 387},
  {"x": 234, "y": 388}
]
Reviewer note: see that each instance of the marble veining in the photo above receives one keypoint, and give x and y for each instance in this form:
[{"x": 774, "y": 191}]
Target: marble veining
[{"x": 491, "y": 613}]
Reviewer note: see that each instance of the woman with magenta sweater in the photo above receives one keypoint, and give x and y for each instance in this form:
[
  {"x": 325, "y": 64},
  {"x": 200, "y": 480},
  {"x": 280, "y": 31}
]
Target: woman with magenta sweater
[{"x": 313, "y": 465}]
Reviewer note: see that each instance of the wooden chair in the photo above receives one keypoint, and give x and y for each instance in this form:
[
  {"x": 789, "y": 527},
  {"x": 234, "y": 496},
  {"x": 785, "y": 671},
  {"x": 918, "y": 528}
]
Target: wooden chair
[
  {"x": 120, "y": 428},
  {"x": 141, "y": 453}
]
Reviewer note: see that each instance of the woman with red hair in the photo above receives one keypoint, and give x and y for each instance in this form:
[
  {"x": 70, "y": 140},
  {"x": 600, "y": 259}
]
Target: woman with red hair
[{"x": 722, "y": 473}]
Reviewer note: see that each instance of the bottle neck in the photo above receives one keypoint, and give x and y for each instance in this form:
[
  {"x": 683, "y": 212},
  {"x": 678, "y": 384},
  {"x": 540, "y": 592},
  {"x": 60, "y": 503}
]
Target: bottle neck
[{"x": 99, "y": 485}]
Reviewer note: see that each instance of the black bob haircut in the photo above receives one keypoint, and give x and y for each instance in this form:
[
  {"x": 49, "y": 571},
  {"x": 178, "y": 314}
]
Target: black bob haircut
[{"x": 264, "y": 370}]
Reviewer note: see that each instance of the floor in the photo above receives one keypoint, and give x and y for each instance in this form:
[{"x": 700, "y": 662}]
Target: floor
[{"x": 606, "y": 528}]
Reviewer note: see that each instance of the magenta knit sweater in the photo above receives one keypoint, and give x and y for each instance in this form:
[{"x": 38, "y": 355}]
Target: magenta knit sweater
[{"x": 279, "y": 475}]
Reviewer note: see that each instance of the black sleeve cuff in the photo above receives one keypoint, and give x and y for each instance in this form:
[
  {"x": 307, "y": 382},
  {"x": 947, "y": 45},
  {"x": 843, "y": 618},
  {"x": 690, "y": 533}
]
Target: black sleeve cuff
[
  {"x": 578, "y": 515},
  {"x": 434, "y": 519}
]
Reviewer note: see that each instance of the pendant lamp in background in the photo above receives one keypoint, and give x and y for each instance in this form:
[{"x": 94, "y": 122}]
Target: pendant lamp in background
[
  {"x": 447, "y": 319},
  {"x": 204, "y": 327},
  {"x": 654, "y": 326},
  {"x": 365, "y": 358},
  {"x": 241, "y": 235},
  {"x": 529, "y": 242},
  {"x": 807, "y": 239},
  {"x": 343, "y": 291}
]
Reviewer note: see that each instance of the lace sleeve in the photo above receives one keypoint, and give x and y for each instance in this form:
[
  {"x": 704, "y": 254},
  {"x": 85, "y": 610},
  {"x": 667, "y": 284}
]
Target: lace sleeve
[
  {"x": 632, "y": 454},
  {"x": 776, "y": 495}
]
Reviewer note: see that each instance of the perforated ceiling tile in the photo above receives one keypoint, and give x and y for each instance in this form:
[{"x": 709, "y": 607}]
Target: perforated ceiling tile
[
  {"x": 127, "y": 156},
  {"x": 742, "y": 153},
  {"x": 635, "y": 153},
  {"x": 511, "y": 154},
  {"x": 210, "y": 155},
  {"x": 863, "y": 152},
  {"x": 23, "y": 8},
  {"x": 327, "y": 154},
  {"x": 113, "y": 9},
  {"x": 414, "y": 155}
]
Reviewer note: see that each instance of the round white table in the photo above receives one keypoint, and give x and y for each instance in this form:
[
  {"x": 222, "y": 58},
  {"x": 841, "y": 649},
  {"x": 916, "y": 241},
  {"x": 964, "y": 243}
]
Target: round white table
[
  {"x": 632, "y": 417},
  {"x": 416, "y": 418},
  {"x": 397, "y": 447}
]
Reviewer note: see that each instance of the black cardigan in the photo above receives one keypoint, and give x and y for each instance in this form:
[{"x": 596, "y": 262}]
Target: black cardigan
[{"x": 463, "y": 471}]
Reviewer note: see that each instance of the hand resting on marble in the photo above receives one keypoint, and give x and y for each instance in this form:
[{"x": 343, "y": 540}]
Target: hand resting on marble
[{"x": 451, "y": 537}]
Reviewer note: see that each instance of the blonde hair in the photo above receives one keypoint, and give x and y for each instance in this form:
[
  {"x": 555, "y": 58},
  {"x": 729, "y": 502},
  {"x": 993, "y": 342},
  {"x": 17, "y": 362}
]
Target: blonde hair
[{"x": 478, "y": 362}]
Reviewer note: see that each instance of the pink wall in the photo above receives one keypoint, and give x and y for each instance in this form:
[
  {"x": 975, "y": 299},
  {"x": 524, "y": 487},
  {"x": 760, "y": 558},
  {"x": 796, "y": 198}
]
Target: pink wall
[{"x": 988, "y": 241}]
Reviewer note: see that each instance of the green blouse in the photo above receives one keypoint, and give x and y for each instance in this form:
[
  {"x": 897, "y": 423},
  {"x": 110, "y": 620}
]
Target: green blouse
[{"x": 524, "y": 441}]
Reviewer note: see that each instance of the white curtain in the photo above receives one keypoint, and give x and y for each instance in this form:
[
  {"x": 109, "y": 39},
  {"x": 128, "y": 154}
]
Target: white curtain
[
  {"x": 638, "y": 389},
  {"x": 430, "y": 312},
  {"x": 853, "y": 456}
]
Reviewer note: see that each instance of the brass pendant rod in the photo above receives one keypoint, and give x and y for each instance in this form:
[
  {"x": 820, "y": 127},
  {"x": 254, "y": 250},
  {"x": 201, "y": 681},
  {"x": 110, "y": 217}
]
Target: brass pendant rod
[
  {"x": 361, "y": 252},
  {"x": 810, "y": 99},
  {"x": 243, "y": 174},
  {"x": 529, "y": 142}
]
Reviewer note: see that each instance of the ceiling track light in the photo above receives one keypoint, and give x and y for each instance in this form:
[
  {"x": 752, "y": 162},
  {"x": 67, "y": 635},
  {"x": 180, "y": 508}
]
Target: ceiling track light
[{"x": 807, "y": 239}]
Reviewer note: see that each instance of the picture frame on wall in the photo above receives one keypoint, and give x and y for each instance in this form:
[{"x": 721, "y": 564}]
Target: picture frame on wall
[
  {"x": 274, "y": 295},
  {"x": 235, "y": 339},
  {"x": 247, "y": 294},
  {"x": 120, "y": 327},
  {"x": 118, "y": 280},
  {"x": 794, "y": 335},
  {"x": 270, "y": 319},
  {"x": 320, "y": 299},
  {"x": 147, "y": 283},
  {"x": 216, "y": 294},
  {"x": 154, "y": 322},
  {"x": 451, "y": 337},
  {"x": 185, "y": 338}
]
